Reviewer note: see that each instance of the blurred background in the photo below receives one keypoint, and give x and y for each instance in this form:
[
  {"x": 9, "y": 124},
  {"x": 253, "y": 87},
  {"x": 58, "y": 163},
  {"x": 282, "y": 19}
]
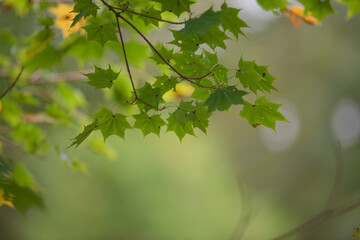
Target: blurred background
[{"x": 236, "y": 182}]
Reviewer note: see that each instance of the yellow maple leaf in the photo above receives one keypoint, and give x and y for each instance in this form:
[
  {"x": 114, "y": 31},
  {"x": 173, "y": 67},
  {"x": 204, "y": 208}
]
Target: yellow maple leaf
[
  {"x": 64, "y": 16},
  {"x": 183, "y": 90},
  {"x": 357, "y": 233},
  {"x": 3, "y": 201},
  {"x": 296, "y": 13}
]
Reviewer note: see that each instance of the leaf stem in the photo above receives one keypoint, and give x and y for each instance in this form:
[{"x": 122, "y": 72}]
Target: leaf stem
[{"x": 13, "y": 84}]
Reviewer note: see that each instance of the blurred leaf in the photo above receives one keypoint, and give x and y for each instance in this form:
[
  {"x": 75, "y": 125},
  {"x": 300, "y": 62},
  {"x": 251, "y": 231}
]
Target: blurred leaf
[
  {"x": 354, "y": 7},
  {"x": 102, "y": 78},
  {"x": 318, "y": 9}
]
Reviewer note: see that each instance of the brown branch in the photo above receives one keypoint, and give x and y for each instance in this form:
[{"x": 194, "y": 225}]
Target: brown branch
[
  {"x": 147, "y": 16},
  {"x": 13, "y": 84},
  {"x": 127, "y": 64},
  {"x": 189, "y": 79}
]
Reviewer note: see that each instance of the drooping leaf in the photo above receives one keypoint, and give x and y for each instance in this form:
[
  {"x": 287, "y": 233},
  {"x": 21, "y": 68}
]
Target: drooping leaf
[
  {"x": 262, "y": 112},
  {"x": 255, "y": 77},
  {"x": 222, "y": 98},
  {"x": 230, "y": 20},
  {"x": 148, "y": 124},
  {"x": 102, "y": 78},
  {"x": 84, "y": 8},
  {"x": 85, "y": 133}
]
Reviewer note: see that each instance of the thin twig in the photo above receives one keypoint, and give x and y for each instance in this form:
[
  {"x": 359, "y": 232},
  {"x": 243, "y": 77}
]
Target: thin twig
[
  {"x": 325, "y": 215},
  {"x": 189, "y": 79},
  {"x": 147, "y": 16},
  {"x": 128, "y": 67},
  {"x": 329, "y": 211},
  {"x": 338, "y": 176},
  {"x": 13, "y": 84}
]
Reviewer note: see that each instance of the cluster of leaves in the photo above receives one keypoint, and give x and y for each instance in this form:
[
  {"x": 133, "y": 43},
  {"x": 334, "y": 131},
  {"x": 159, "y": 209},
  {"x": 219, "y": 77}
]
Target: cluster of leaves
[{"x": 36, "y": 93}]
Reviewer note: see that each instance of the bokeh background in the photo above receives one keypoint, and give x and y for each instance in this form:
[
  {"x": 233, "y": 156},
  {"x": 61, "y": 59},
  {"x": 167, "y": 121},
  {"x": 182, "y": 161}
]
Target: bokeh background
[{"x": 236, "y": 182}]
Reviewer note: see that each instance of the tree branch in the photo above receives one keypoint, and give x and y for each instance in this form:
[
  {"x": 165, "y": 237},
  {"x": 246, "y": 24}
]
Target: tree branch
[
  {"x": 147, "y": 16},
  {"x": 13, "y": 84},
  {"x": 329, "y": 212},
  {"x": 189, "y": 79}
]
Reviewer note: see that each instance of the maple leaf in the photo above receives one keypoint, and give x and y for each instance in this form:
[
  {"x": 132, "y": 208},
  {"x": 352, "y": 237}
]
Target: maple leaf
[
  {"x": 148, "y": 124},
  {"x": 354, "y": 7},
  {"x": 262, "y": 112},
  {"x": 84, "y": 8},
  {"x": 222, "y": 98},
  {"x": 175, "y": 6},
  {"x": 102, "y": 78},
  {"x": 230, "y": 20},
  {"x": 110, "y": 123},
  {"x": 201, "y": 24},
  {"x": 255, "y": 77},
  {"x": 319, "y": 9},
  {"x": 101, "y": 32},
  {"x": 4, "y": 201},
  {"x": 297, "y": 12},
  {"x": 64, "y": 15},
  {"x": 85, "y": 133}
]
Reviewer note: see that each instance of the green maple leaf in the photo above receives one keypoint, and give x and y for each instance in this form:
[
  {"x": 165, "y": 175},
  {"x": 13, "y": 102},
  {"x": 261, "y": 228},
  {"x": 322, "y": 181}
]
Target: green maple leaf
[
  {"x": 149, "y": 95},
  {"x": 165, "y": 83},
  {"x": 230, "y": 20},
  {"x": 166, "y": 53},
  {"x": 273, "y": 4},
  {"x": 153, "y": 13},
  {"x": 82, "y": 136},
  {"x": 148, "y": 124},
  {"x": 262, "y": 112},
  {"x": 222, "y": 98},
  {"x": 200, "y": 92},
  {"x": 255, "y": 77},
  {"x": 84, "y": 8},
  {"x": 175, "y": 6},
  {"x": 214, "y": 37},
  {"x": 201, "y": 24},
  {"x": 181, "y": 121},
  {"x": 354, "y": 7},
  {"x": 190, "y": 44},
  {"x": 102, "y": 78},
  {"x": 101, "y": 33},
  {"x": 318, "y": 9},
  {"x": 220, "y": 74},
  {"x": 202, "y": 115},
  {"x": 110, "y": 123}
]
